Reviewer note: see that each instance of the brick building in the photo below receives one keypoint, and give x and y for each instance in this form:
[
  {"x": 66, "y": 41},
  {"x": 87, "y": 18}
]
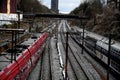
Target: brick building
[{"x": 3, "y": 6}]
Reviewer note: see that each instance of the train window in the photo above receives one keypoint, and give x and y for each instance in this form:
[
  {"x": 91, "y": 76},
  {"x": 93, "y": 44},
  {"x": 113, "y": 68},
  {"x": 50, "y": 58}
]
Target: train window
[
  {"x": 98, "y": 47},
  {"x": 112, "y": 49},
  {"x": 90, "y": 39},
  {"x": 118, "y": 51},
  {"x": 115, "y": 65},
  {"x": 115, "y": 49},
  {"x": 113, "y": 52},
  {"x": 101, "y": 56},
  {"x": 104, "y": 51}
]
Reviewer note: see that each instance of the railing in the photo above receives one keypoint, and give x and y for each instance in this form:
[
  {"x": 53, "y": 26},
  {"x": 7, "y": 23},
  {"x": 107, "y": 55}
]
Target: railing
[{"x": 20, "y": 68}]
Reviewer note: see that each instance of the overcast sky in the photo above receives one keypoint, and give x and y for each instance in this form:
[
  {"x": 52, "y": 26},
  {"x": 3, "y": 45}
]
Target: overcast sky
[{"x": 65, "y": 6}]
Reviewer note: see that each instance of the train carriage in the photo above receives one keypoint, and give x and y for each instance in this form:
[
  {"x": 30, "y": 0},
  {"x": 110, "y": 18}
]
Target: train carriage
[{"x": 100, "y": 46}]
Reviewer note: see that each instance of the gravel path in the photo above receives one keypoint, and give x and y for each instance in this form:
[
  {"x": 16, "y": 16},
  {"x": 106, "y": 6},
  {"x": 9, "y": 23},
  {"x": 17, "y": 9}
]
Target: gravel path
[{"x": 56, "y": 69}]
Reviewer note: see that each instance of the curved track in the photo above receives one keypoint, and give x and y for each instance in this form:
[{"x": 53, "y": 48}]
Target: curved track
[{"x": 81, "y": 68}]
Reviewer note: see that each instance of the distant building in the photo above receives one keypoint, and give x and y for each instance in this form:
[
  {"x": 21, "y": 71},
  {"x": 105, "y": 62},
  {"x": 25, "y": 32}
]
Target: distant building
[
  {"x": 3, "y": 6},
  {"x": 54, "y": 5}
]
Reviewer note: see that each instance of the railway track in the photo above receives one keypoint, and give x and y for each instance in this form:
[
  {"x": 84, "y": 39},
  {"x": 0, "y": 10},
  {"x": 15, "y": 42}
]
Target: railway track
[
  {"x": 81, "y": 68},
  {"x": 48, "y": 66},
  {"x": 51, "y": 64},
  {"x": 70, "y": 72},
  {"x": 45, "y": 71},
  {"x": 42, "y": 70},
  {"x": 76, "y": 68},
  {"x": 61, "y": 49},
  {"x": 96, "y": 63}
]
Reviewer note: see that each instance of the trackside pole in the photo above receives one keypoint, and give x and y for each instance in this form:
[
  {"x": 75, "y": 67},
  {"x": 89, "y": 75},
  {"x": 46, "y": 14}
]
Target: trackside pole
[
  {"x": 83, "y": 40},
  {"x": 12, "y": 54},
  {"x": 109, "y": 51},
  {"x": 18, "y": 12},
  {"x": 66, "y": 64}
]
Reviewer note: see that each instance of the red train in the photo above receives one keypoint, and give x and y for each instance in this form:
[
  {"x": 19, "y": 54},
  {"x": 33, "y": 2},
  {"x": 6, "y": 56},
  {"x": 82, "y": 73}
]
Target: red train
[{"x": 24, "y": 63}]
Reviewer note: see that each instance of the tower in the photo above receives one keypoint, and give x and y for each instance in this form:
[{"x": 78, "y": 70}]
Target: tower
[{"x": 54, "y": 5}]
